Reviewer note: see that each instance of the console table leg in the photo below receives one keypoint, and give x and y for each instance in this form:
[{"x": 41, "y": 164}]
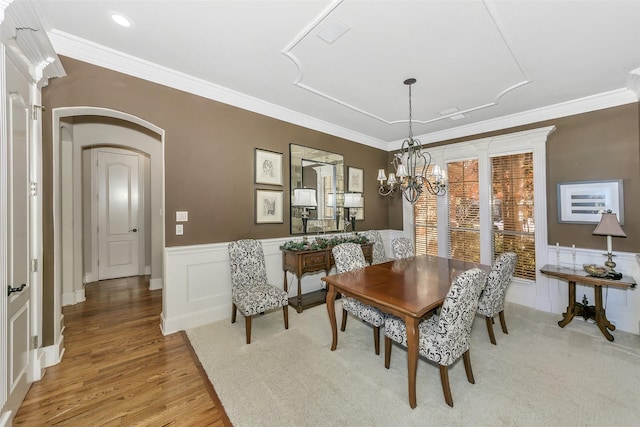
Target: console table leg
[
  {"x": 601, "y": 317},
  {"x": 568, "y": 315},
  {"x": 299, "y": 307}
]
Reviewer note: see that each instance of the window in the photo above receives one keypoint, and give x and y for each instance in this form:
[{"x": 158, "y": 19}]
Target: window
[
  {"x": 496, "y": 202},
  {"x": 464, "y": 210},
  {"x": 512, "y": 210},
  {"x": 426, "y": 223}
]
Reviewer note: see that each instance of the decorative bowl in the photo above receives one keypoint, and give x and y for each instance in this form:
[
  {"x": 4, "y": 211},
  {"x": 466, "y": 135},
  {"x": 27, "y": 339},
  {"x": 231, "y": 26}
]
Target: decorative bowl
[{"x": 594, "y": 270}]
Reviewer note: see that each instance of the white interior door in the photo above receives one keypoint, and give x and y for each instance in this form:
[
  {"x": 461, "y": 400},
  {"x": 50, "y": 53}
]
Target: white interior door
[
  {"x": 118, "y": 195},
  {"x": 18, "y": 315}
]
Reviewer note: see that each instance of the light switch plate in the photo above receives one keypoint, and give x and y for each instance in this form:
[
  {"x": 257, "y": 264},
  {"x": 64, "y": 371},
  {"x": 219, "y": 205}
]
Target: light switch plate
[
  {"x": 179, "y": 230},
  {"x": 182, "y": 216}
]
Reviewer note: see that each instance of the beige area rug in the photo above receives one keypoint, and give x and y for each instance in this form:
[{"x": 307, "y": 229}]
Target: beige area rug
[{"x": 538, "y": 375}]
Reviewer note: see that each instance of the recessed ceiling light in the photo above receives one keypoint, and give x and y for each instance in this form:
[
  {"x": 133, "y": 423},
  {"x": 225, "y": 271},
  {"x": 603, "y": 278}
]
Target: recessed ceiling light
[{"x": 121, "y": 20}]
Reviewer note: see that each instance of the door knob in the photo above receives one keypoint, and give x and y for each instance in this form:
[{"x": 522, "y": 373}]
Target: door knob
[
  {"x": 135, "y": 230},
  {"x": 18, "y": 289}
]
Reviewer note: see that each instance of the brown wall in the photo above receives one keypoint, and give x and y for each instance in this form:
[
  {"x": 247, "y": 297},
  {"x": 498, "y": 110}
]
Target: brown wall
[
  {"x": 599, "y": 145},
  {"x": 209, "y": 158}
]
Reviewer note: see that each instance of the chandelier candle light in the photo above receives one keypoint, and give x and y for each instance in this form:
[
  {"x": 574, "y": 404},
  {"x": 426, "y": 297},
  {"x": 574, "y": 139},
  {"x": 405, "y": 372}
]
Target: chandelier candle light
[
  {"x": 610, "y": 227},
  {"x": 408, "y": 176}
]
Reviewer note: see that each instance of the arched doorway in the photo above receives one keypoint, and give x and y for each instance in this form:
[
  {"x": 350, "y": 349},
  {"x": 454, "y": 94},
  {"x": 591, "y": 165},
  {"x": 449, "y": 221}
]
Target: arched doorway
[{"x": 67, "y": 171}]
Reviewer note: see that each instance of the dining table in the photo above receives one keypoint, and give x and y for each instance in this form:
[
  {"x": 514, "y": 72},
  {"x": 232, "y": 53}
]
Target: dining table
[{"x": 410, "y": 288}]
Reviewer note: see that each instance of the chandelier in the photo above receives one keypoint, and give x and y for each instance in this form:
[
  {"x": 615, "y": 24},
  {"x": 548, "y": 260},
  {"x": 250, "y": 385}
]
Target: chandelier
[{"x": 411, "y": 168}]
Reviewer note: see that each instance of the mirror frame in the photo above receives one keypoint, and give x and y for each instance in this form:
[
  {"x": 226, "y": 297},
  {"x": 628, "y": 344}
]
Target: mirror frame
[{"x": 321, "y": 223}]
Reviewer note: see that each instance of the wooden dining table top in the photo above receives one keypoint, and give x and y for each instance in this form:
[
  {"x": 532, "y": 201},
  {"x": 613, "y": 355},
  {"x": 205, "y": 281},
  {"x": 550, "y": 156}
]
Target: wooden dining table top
[{"x": 412, "y": 286}]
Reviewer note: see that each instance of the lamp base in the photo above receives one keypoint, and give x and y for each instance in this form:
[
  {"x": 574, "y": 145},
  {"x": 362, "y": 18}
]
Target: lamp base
[{"x": 609, "y": 262}]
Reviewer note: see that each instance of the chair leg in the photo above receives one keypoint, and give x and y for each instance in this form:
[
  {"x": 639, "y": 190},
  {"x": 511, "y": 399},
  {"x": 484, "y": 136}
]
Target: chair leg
[
  {"x": 344, "y": 320},
  {"x": 247, "y": 323},
  {"x": 467, "y": 367},
  {"x": 387, "y": 352},
  {"x": 444, "y": 379},
  {"x": 285, "y": 311},
  {"x": 376, "y": 339},
  {"x": 490, "y": 330},
  {"x": 233, "y": 312},
  {"x": 503, "y": 323}
]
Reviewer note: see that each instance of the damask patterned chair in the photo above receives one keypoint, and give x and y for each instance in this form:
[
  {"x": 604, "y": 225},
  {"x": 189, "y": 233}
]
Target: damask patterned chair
[
  {"x": 403, "y": 248},
  {"x": 492, "y": 298},
  {"x": 250, "y": 291},
  {"x": 379, "y": 254},
  {"x": 348, "y": 257},
  {"x": 445, "y": 337}
]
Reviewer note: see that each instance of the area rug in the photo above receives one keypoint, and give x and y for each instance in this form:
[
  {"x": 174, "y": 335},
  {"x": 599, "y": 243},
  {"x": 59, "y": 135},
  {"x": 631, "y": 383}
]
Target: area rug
[{"x": 537, "y": 375}]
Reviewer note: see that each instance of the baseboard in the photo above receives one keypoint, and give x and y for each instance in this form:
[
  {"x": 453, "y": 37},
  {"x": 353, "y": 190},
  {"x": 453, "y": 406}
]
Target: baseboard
[
  {"x": 72, "y": 298},
  {"x": 155, "y": 284},
  {"x": 192, "y": 320},
  {"x": 52, "y": 354},
  {"x": 5, "y": 420}
]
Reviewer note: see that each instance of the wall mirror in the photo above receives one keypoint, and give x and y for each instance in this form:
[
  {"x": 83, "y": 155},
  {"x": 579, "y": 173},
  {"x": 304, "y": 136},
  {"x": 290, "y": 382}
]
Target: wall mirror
[{"x": 323, "y": 171}]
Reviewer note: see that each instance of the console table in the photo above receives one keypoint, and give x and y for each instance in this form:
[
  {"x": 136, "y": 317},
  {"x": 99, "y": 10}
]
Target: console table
[
  {"x": 301, "y": 262},
  {"x": 575, "y": 308}
]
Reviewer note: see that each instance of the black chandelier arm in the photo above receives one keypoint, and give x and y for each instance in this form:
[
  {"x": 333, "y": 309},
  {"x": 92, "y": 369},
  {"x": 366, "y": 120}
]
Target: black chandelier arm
[{"x": 383, "y": 191}]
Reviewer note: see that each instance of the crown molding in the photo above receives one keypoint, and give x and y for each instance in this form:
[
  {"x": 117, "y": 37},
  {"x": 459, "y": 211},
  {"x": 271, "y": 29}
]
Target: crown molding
[
  {"x": 600, "y": 101},
  {"x": 102, "y": 56},
  {"x": 84, "y": 50}
]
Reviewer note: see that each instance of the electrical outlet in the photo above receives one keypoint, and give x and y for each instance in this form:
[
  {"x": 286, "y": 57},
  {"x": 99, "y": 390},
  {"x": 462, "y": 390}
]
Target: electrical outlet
[
  {"x": 179, "y": 230},
  {"x": 182, "y": 216}
]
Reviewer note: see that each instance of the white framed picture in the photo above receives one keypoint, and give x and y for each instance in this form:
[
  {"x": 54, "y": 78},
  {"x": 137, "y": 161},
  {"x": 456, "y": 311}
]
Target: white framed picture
[
  {"x": 582, "y": 202},
  {"x": 269, "y": 207},
  {"x": 356, "y": 180},
  {"x": 268, "y": 167}
]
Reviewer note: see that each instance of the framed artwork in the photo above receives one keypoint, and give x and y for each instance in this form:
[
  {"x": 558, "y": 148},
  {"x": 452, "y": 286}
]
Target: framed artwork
[
  {"x": 355, "y": 180},
  {"x": 269, "y": 207},
  {"x": 581, "y": 202},
  {"x": 268, "y": 167}
]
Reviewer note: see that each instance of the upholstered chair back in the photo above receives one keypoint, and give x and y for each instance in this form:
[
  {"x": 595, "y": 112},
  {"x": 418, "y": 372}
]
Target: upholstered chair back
[
  {"x": 493, "y": 296},
  {"x": 403, "y": 248},
  {"x": 379, "y": 254},
  {"x": 453, "y": 331},
  {"x": 247, "y": 263},
  {"x": 348, "y": 256}
]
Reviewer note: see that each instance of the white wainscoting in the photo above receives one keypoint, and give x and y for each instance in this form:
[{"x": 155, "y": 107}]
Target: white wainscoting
[{"x": 198, "y": 284}]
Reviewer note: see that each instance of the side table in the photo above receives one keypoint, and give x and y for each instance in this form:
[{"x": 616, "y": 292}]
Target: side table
[
  {"x": 302, "y": 262},
  {"x": 575, "y": 308}
]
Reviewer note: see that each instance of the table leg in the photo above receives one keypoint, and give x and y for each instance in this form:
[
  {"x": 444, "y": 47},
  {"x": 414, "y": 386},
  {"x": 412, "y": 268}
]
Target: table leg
[
  {"x": 299, "y": 307},
  {"x": 412, "y": 360},
  {"x": 568, "y": 315},
  {"x": 601, "y": 317},
  {"x": 331, "y": 309}
]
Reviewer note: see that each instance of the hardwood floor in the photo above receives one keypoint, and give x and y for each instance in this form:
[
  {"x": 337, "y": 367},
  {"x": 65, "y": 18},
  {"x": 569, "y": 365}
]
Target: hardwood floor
[{"x": 118, "y": 368}]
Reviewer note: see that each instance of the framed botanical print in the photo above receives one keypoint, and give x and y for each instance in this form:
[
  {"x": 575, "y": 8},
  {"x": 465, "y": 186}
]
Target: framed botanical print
[
  {"x": 269, "y": 207},
  {"x": 355, "y": 178},
  {"x": 268, "y": 167}
]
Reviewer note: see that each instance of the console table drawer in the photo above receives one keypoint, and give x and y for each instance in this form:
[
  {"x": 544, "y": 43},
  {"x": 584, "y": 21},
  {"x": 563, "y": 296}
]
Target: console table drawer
[{"x": 316, "y": 260}]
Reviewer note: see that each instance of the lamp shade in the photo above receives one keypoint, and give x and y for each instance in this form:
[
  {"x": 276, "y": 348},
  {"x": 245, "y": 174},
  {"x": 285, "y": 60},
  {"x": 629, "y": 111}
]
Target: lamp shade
[
  {"x": 352, "y": 200},
  {"x": 304, "y": 197},
  {"x": 381, "y": 175},
  {"x": 609, "y": 226}
]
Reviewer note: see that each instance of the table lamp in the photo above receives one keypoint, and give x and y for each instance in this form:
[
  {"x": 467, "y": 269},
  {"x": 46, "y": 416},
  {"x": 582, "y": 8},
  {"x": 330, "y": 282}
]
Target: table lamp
[
  {"x": 353, "y": 201},
  {"x": 304, "y": 198},
  {"x": 610, "y": 227}
]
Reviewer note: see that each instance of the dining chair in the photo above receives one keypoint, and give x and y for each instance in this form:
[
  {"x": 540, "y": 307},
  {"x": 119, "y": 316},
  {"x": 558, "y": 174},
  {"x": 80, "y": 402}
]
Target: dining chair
[
  {"x": 444, "y": 337},
  {"x": 492, "y": 298},
  {"x": 348, "y": 257},
  {"x": 403, "y": 248},
  {"x": 379, "y": 253},
  {"x": 250, "y": 291}
]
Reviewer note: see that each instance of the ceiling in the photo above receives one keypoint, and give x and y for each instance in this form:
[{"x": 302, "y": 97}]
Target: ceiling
[{"x": 497, "y": 63}]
